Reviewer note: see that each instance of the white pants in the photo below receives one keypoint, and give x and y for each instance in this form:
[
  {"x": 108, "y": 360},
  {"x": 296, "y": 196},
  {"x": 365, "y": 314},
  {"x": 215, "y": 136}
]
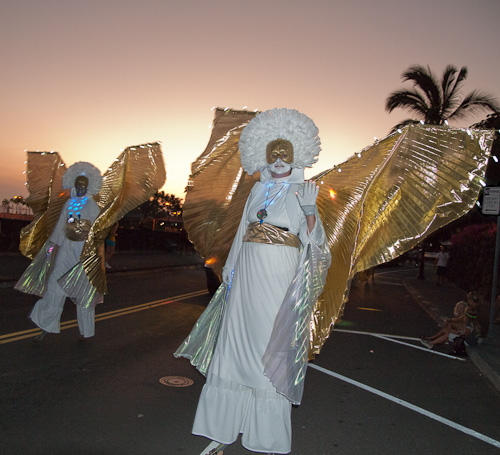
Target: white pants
[{"x": 46, "y": 313}]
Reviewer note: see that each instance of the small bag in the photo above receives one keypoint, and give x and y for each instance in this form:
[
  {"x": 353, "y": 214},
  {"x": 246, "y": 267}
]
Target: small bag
[{"x": 458, "y": 346}]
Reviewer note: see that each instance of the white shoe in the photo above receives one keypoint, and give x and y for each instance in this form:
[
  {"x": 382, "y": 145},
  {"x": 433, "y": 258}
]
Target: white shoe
[
  {"x": 107, "y": 265},
  {"x": 427, "y": 344},
  {"x": 214, "y": 448}
]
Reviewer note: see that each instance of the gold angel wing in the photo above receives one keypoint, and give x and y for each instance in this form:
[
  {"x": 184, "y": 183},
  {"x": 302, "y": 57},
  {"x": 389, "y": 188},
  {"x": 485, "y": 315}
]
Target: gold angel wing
[
  {"x": 384, "y": 200},
  {"x": 218, "y": 189},
  {"x": 132, "y": 179},
  {"x": 47, "y": 197}
]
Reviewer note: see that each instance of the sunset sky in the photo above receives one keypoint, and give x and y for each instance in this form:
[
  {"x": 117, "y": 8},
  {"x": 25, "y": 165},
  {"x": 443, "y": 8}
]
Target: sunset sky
[{"x": 88, "y": 78}]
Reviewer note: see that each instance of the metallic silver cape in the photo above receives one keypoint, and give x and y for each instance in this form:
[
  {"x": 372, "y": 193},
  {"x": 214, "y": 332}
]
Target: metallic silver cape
[
  {"x": 35, "y": 278},
  {"x": 199, "y": 346},
  {"x": 285, "y": 359}
]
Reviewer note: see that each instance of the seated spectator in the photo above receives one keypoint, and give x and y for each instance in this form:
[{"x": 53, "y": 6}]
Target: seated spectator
[
  {"x": 452, "y": 328},
  {"x": 476, "y": 318}
]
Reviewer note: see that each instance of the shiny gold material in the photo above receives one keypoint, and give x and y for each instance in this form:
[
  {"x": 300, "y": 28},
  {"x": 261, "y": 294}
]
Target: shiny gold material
[
  {"x": 131, "y": 180},
  {"x": 374, "y": 207},
  {"x": 279, "y": 148},
  {"x": 388, "y": 198},
  {"x": 269, "y": 234},
  {"x": 44, "y": 173},
  {"x": 78, "y": 230},
  {"x": 218, "y": 189}
]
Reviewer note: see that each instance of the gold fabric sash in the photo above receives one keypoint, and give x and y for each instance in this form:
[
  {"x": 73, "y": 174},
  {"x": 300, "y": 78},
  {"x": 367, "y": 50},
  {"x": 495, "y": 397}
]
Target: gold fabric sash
[
  {"x": 78, "y": 230},
  {"x": 272, "y": 235}
]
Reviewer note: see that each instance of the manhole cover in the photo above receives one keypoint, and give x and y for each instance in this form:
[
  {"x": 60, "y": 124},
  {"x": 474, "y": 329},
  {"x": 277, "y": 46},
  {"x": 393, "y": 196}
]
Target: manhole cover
[{"x": 176, "y": 381}]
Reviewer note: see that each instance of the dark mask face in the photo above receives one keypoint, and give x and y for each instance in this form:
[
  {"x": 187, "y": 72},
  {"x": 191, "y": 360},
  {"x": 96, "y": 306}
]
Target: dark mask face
[
  {"x": 81, "y": 185},
  {"x": 279, "y": 148}
]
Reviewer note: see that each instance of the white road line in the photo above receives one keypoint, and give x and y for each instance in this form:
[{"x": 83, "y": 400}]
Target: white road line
[
  {"x": 387, "y": 283},
  {"x": 401, "y": 337},
  {"x": 454, "y": 357},
  {"x": 387, "y": 337},
  {"x": 417, "y": 409}
]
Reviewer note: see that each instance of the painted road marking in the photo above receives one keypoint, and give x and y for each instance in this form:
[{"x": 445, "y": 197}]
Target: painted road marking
[
  {"x": 422, "y": 411},
  {"x": 16, "y": 336},
  {"x": 391, "y": 338}
]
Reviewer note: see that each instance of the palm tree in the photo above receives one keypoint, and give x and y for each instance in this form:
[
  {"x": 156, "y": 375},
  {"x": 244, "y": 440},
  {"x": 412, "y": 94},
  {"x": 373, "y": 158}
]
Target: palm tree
[{"x": 435, "y": 102}]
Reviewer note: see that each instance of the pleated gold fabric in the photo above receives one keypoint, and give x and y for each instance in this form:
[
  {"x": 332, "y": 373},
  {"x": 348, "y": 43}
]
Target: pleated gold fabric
[
  {"x": 78, "y": 230},
  {"x": 217, "y": 189},
  {"x": 131, "y": 180},
  {"x": 374, "y": 207},
  {"x": 271, "y": 235},
  {"x": 44, "y": 173},
  {"x": 386, "y": 199},
  {"x": 134, "y": 177}
]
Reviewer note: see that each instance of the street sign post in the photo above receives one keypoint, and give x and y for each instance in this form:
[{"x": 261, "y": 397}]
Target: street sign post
[
  {"x": 491, "y": 206},
  {"x": 491, "y": 201}
]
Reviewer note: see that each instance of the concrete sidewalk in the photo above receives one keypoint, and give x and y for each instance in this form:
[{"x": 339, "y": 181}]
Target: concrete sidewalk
[{"x": 438, "y": 302}]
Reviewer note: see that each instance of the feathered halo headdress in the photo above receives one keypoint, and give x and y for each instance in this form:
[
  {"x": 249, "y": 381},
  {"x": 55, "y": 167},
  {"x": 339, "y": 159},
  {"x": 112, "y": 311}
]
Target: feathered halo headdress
[
  {"x": 87, "y": 170},
  {"x": 273, "y": 124}
]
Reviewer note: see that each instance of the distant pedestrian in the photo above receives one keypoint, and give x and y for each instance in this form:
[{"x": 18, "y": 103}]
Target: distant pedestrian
[
  {"x": 367, "y": 274},
  {"x": 441, "y": 264},
  {"x": 110, "y": 244}
]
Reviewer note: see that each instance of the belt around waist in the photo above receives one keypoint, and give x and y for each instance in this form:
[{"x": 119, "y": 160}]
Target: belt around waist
[{"x": 271, "y": 235}]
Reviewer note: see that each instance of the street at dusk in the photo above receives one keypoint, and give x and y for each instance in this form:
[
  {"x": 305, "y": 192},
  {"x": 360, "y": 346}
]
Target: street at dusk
[{"x": 373, "y": 390}]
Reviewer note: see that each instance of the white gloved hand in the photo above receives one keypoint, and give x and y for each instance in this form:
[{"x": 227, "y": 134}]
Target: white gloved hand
[
  {"x": 227, "y": 275},
  {"x": 307, "y": 199}
]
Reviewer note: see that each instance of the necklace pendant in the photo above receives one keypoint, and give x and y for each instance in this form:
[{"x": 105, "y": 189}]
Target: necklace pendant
[{"x": 261, "y": 214}]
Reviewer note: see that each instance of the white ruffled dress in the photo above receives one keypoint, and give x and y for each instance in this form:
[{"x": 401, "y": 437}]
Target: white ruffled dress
[{"x": 238, "y": 397}]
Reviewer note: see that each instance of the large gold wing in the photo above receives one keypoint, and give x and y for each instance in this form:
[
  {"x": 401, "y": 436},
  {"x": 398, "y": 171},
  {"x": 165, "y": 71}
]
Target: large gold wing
[
  {"x": 132, "y": 179},
  {"x": 374, "y": 207},
  {"x": 44, "y": 172},
  {"x": 385, "y": 199},
  {"x": 218, "y": 189}
]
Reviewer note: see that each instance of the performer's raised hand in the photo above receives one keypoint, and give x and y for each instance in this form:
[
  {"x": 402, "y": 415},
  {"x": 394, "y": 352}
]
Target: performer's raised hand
[{"x": 307, "y": 198}]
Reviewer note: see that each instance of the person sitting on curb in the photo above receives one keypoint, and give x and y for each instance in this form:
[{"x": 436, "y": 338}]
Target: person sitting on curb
[{"x": 452, "y": 327}]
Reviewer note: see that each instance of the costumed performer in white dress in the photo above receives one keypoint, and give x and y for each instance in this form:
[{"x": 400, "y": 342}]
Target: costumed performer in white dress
[
  {"x": 279, "y": 221},
  {"x": 66, "y": 244},
  {"x": 74, "y": 210}
]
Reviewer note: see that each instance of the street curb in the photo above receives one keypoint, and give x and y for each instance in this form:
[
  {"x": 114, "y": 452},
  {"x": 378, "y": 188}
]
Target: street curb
[
  {"x": 477, "y": 358},
  {"x": 474, "y": 354},
  {"x": 425, "y": 304}
]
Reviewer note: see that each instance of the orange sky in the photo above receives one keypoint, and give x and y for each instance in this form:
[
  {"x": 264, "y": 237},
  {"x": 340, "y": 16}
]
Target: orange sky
[{"x": 88, "y": 78}]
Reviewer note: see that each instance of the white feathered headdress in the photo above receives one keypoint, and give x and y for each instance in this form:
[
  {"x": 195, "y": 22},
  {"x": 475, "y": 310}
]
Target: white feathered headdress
[
  {"x": 87, "y": 170},
  {"x": 273, "y": 124}
]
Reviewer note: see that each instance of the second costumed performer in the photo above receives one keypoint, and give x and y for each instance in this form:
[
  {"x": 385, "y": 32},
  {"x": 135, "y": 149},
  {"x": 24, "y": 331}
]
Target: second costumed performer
[
  {"x": 279, "y": 249},
  {"x": 65, "y": 244}
]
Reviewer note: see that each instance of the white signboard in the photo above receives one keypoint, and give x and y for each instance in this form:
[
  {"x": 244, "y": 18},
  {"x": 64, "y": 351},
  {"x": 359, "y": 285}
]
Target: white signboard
[{"x": 491, "y": 201}]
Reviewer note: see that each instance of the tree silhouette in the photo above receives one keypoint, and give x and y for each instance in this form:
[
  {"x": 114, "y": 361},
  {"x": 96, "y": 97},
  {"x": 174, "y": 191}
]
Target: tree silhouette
[
  {"x": 161, "y": 205},
  {"x": 435, "y": 102}
]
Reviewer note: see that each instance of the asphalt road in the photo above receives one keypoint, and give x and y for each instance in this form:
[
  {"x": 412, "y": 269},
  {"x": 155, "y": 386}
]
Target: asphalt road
[{"x": 367, "y": 393}]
